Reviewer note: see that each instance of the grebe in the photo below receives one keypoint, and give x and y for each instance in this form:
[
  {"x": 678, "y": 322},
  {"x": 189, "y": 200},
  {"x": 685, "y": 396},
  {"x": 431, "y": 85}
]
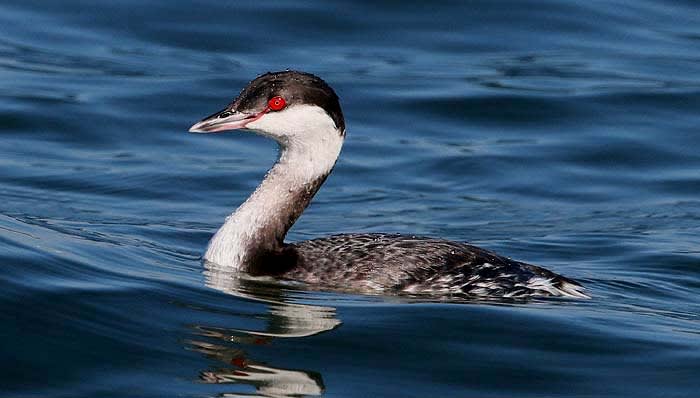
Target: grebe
[{"x": 302, "y": 113}]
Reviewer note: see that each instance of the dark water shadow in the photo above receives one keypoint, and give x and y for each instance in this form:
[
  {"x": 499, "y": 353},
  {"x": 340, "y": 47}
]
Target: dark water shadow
[{"x": 284, "y": 319}]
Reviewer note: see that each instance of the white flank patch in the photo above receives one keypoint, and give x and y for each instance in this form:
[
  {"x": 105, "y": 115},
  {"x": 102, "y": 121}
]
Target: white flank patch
[
  {"x": 570, "y": 290},
  {"x": 546, "y": 285}
]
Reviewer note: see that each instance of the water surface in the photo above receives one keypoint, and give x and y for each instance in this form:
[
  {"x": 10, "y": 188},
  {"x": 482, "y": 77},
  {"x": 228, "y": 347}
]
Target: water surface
[{"x": 561, "y": 133}]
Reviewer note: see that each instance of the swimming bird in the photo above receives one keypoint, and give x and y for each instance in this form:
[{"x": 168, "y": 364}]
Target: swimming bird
[{"x": 302, "y": 113}]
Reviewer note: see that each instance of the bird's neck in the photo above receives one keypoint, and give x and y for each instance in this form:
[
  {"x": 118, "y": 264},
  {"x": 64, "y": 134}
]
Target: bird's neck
[{"x": 256, "y": 230}]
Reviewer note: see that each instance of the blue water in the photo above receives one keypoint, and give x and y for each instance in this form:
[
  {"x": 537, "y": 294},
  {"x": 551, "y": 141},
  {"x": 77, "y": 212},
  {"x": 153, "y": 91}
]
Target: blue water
[{"x": 561, "y": 133}]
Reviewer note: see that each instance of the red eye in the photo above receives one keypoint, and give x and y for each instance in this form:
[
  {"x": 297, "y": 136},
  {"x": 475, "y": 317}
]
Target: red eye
[{"x": 276, "y": 103}]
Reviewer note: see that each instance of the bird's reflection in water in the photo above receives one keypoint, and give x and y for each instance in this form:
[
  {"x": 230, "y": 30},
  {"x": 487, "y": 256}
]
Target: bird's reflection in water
[{"x": 284, "y": 319}]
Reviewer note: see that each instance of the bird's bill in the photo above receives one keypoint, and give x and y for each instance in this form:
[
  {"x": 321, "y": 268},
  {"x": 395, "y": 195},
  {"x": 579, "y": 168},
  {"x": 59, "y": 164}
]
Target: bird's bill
[{"x": 224, "y": 120}]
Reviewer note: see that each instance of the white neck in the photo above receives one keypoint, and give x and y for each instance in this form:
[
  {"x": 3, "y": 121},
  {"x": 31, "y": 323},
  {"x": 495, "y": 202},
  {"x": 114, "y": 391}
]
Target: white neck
[{"x": 310, "y": 144}]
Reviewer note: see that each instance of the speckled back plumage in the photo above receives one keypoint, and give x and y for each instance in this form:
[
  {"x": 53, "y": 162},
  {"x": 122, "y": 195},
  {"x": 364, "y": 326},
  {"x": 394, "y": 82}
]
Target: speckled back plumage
[{"x": 390, "y": 263}]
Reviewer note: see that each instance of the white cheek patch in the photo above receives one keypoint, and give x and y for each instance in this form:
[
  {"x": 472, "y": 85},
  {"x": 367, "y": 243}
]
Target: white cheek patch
[
  {"x": 310, "y": 140},
  {"x": 294, "y": 121}
]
